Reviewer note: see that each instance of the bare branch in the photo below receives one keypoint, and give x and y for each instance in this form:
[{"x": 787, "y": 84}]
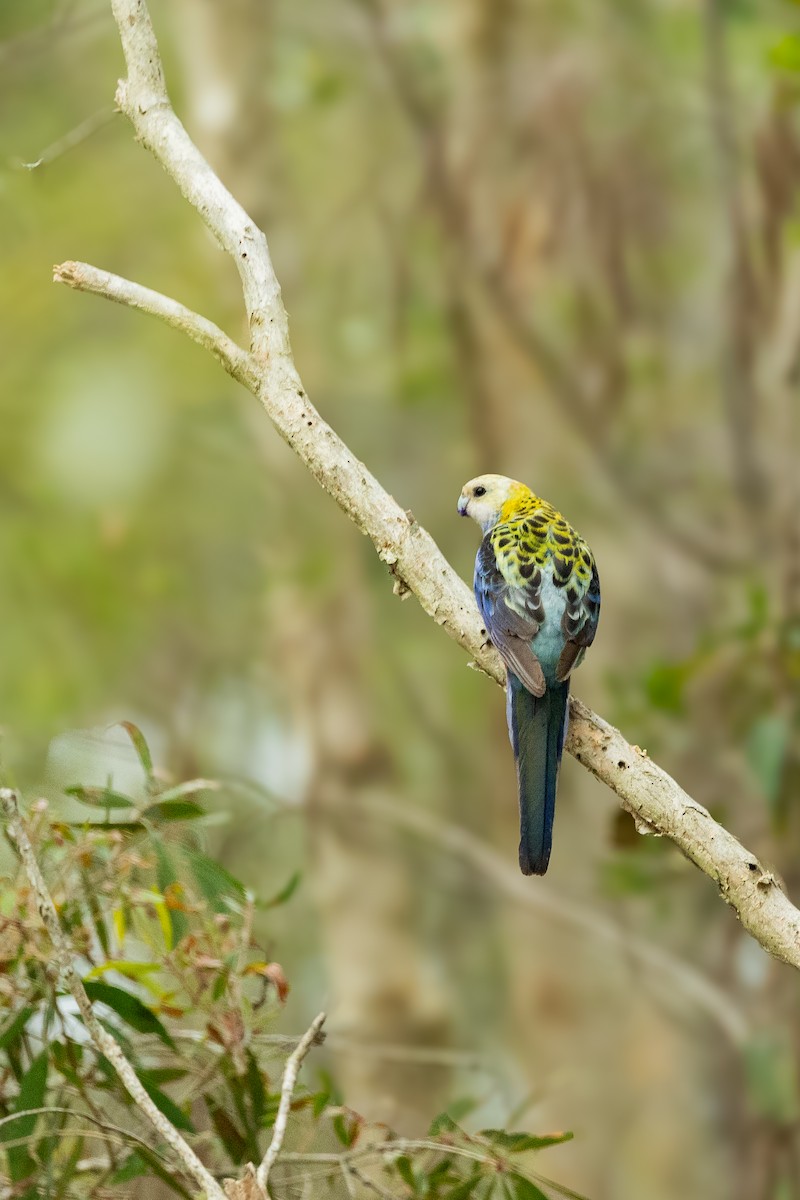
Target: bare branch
[
  {"x": 102, "y": 1131},
  {"x": 657, "y": 802},
  {"x": 84, "y": 278},
  {"x": 76, "y": 1114},
  {"x": 293, "y": 1064},
  {"x": 143, "y": 98},
  {"x": 370, "y": 1184},
  {"x": 102, "y": 1039},
  {"x": 346, "y": 1043}
]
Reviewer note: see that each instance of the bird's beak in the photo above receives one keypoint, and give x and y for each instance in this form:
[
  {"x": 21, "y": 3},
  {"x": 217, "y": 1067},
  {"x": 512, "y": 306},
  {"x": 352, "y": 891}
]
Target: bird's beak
[{"x": 462, "y": 506}]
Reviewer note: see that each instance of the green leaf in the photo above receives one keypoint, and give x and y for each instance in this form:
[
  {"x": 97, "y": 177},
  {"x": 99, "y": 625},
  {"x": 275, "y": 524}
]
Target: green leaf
[
  {"x": 100, "y": 797},
  {"x": 67, "y": 1168},
  {"x": 133, "y": 1167},
  {"x": 189, "y": 788},
  {"x": 67, "y": 1059},
  {"x": 140, "y": 746},
  {"x": 464, "y": 1190},
  {"x": 139, "y": 1163},
  {"x": 286, "y": 892},
  {"x": 159, "y": 1075},
  {"x": 784, "y": 55},
  {"x": 439, "y": 1174},
  {"x": 12, "y": 1031},
  {"x": 216, "y": 884},
  {"x": 233, "y": 1141},
  {"x": 239, "y": 1093},
  {"x": 630, "y": 873},
  {"x": 334, "y": 1095},
  {"x": 220, "y": 983},
  {"x": 772, "y": 1081},
  {"x": 447, "y": 1122},
  {"x": 130, "y": 1008},
  {"x": 406, "y": 1172},
  {"x": 96, "y": 912},
  {"x": 346, "y": 1129},
  {"x": 121, "y": 826},
  {"x": 561, "y": 1190},
  {"x": 174, "y": 810},
  {"x": 443, "y": 1123},
  {"x": 31, "y": 1096},
  {"x": 134, "y": 970},
  {"x": 767, "y": 748},
  {"x": 256, "y": 1090},
  {"x": 166, "y": 1105},
  {"x": 523, "y": 1189},
  {"x": 665, "y": 684},
  {"x": 516, "y": 1143},
  {"x": 166, "y": 874},
  {"x": 328, "y": 1095}
]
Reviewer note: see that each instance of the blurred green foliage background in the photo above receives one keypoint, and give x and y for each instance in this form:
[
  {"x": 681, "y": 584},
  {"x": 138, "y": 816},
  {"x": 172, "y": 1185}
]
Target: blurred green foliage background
[{"x": 554, "y": 240}]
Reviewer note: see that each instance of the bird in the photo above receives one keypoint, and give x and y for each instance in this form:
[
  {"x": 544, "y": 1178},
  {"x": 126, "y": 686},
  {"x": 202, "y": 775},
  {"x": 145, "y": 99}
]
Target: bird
[{"x": 538, "y": 592}]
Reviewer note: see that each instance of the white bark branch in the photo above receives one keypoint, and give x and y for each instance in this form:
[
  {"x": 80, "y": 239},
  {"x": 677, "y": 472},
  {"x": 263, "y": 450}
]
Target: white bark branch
[
  {"x": 655, "y": 800},
  {"x": 102, "y": 1039},
  {"x": 293, "y": 1064},
  {"x": 83, "y": 278}
]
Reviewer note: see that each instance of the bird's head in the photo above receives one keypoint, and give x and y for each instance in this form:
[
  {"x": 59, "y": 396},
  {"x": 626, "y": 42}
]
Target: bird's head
[{"x": 490, "y": 498}]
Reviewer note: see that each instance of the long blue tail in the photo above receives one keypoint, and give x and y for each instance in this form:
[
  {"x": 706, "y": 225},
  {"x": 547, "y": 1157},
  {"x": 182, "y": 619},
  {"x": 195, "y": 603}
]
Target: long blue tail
[{"x": 537, "y": 727}]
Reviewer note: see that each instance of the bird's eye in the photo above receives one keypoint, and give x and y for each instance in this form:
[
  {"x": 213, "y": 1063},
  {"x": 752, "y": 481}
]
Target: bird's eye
[{"x": 479, "y": 491}]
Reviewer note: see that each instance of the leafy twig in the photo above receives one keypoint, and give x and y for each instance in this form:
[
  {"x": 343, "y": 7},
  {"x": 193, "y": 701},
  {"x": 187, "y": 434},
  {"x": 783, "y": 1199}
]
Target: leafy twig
[{"x": 102, "y": 1039}]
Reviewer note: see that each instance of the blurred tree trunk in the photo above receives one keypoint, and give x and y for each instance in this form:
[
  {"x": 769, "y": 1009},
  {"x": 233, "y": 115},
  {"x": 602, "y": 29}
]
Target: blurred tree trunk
[
  {"x": 361, "y": 878},
  {"x": 363, "y": 885},
  {"x": 225, "y": 49}
]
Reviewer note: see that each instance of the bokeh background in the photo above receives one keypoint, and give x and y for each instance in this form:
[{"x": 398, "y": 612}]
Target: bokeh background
[{"x": 557, "y": 240}]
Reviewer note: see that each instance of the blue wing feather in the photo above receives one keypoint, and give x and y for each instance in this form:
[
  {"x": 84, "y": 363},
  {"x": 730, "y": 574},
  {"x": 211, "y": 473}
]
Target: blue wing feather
[
  {"x": 538, "y": 708},
  {"x": 511, "y": 630}
]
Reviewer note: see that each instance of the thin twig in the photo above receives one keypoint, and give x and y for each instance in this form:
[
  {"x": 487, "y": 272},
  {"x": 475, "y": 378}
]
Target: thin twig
[
  {"x": 105, "y": 1131},
  {"x": 68, "y": 141},
  {"x": 102, "y": 1039},
  {"x": 347, "y": 1175},
  {"x": 107, "y": 1126},
  {"x": 85, "y": 278},
  {"x": 293, "y": 1064},
  {"x": 98, "y": 1135},
  {"x": 392, "y": 1148},
  {"x": 370, "y": 1184}
]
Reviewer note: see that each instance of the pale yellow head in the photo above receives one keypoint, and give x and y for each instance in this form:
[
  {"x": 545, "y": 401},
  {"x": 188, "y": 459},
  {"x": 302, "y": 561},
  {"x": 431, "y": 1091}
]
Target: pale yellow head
[{"x": 491, "y": 498}]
